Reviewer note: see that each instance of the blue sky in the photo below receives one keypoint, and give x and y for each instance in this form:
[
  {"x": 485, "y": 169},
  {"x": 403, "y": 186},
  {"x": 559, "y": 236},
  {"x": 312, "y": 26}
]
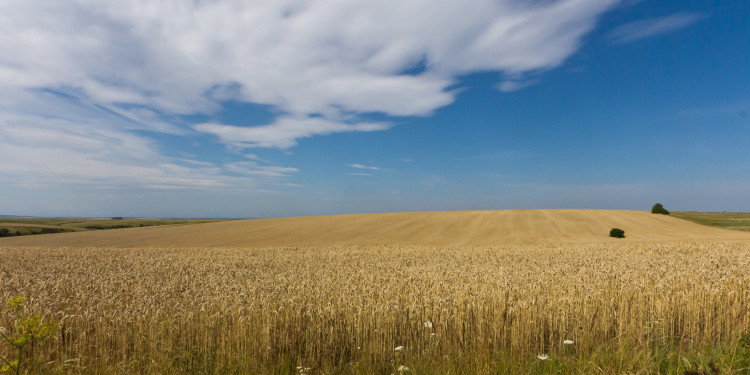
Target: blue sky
[{"x": 286, "y": 108}]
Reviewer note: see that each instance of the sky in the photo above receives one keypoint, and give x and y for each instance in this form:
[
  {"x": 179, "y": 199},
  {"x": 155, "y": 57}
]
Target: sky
[{"x": 245, "y": 109}]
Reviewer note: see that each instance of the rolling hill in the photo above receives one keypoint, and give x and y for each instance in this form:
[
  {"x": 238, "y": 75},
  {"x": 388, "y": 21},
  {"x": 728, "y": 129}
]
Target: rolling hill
[{"x": 451, "y": 228}]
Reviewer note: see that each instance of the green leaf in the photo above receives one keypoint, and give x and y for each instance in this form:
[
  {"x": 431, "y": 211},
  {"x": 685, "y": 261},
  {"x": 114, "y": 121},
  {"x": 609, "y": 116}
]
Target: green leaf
[{"x": 11, "y": 366}]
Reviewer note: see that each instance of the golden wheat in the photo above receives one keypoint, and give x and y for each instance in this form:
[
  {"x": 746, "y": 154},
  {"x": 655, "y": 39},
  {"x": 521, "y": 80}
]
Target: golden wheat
[
  {"x": 457, "y": 228},
  {"x": 235, "y": 310}
]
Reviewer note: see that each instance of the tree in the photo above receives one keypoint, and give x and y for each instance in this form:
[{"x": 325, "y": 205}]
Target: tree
[
  {"x": 617, "y": 233},
  {"x": 659, "y": 209}
]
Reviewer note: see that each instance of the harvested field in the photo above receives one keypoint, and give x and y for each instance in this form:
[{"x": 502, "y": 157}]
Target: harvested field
[{"x": 462, "y": 228}]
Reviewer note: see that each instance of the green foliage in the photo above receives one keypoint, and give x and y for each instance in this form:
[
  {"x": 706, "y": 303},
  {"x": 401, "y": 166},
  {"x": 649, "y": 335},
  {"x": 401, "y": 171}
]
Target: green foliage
[
  {"x": 617, "y": 233},
  {"x": 51, "y": 230},
  {"x": 726, "y": 220},
  {"x": 100, "y": 227},
  {"x": 659, "y": 209},
  {"x": 30, "y": 333},
  {"x": 5, "y": 232},
  {"x": 32, "y": 226}
]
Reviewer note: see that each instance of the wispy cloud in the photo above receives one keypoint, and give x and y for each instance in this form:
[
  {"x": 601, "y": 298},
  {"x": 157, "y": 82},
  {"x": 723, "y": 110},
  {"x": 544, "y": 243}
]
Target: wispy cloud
[
  {"x": 360, "y": 166},
  {"x": 253, "y": 169},
  {"x": 646, "y": 28},
  {"x": 284, "y": 132},
  {"x": 72, "y": 153},
  {"x": 360, "y": 174},
  {"x": 511, "y": 85}
]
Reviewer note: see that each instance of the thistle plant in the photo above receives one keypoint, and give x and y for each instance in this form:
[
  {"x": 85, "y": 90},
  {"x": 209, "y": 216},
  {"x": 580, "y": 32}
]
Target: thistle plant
[{"x": 30, "y": 333}]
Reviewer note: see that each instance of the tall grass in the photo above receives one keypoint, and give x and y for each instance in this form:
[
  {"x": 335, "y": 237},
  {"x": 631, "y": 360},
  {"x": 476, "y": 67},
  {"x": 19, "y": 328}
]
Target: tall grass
[{"x": 627, "y": 308}]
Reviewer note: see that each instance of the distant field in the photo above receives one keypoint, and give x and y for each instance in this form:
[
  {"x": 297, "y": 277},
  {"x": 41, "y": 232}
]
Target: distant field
[
  {"x": 27, "y": 226},
  {"x": 475, "y": 292},
  {"x": 726, "y": 220}
]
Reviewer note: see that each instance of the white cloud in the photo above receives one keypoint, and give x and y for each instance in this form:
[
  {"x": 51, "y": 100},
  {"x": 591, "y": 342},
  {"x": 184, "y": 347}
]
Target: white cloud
[
  {"x": 284, "y": 132},
  {"x": 318, "y": 56},
  {"x": 360, "y": 166},
  {"x": 63, "y": 153},
  {"x": 88, "y": 74},
  {"x": 360, "y": 174},
  {"x": 253, "y": 169},
  {"x": 511, "y": 85},
  {"x": 641, "y": 29}
]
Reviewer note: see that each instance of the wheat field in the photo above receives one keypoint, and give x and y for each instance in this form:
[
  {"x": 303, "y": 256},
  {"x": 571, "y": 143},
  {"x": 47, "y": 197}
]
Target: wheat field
[
  {"x": 532, "y": 306},
  {"x": 442, "y": 228}
]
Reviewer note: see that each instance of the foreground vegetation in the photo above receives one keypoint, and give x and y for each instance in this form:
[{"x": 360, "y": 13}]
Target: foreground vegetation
[
  {"x": 726, "y": 220},
  {"x": 671, "y": 308},
  {"x": 16, "y": 226}
]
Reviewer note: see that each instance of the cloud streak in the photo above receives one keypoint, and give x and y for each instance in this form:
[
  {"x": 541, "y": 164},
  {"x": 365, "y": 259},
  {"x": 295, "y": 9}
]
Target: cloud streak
[
  {"x": 284, "y": 132},
  {"x": 637, "y": 30},
  {"x": 360, "y": 166}
]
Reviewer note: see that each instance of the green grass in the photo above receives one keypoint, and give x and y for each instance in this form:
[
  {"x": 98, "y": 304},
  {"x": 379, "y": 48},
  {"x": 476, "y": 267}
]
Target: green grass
[
  {"x": 726, "y": 220},
  {"x": 29, "y": 226}
]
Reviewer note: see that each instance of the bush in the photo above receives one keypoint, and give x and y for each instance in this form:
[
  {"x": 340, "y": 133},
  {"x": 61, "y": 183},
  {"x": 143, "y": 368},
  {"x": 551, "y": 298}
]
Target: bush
[
  {"x": 52, "y": 230},
  {"x": 659, "y": 209},
  {"x": 617, "y": 233},
  {"x": 99, "y": 227}
]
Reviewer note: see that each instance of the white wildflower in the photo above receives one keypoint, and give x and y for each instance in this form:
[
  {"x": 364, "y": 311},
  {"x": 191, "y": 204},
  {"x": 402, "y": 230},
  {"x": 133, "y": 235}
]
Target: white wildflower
[
  {"x": 402, "y": 368},
  {"x": 399, "y": 348},
  {"x": 568, "y": 342},
  {"x": 543, "y": 357},
  {"x": 428, "y": 324}
]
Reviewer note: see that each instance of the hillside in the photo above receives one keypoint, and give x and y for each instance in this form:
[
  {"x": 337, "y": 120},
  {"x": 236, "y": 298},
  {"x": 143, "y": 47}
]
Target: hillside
[{"x": 422, "y": 228}]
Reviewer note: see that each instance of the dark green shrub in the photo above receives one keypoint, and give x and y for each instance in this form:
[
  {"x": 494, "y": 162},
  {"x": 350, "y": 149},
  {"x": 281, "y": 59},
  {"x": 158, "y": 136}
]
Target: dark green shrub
[
  {"x": 659, "y": 209},
  {"x": 617, "y": 233},
  {"x": 52, "y": 230},
  {"x": 99, "y": 227}
]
